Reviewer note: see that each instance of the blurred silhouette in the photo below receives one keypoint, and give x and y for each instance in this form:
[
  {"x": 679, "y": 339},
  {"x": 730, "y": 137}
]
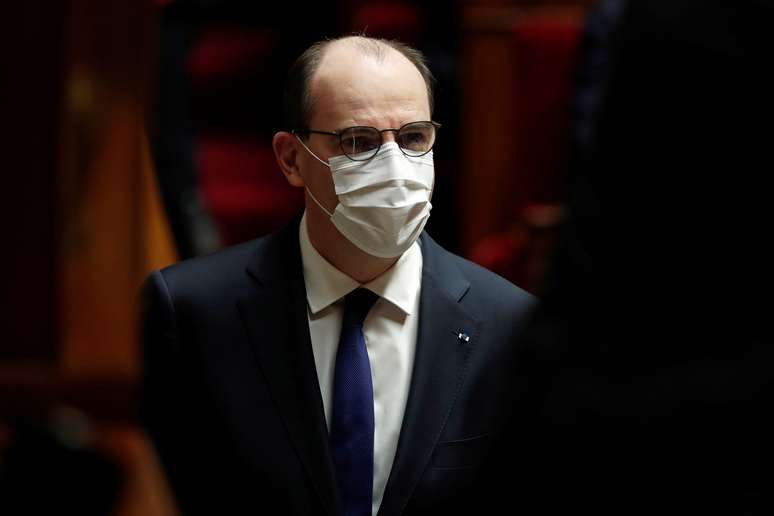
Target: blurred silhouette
[
  {"x": 592, "y": 70},
  {"x": 53, "y": 467},
  {"x": 647, "y": 367}
]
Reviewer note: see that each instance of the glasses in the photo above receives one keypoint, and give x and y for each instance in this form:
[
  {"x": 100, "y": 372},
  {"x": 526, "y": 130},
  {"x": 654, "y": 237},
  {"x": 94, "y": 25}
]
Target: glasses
[{"x": 361, "y": 143}]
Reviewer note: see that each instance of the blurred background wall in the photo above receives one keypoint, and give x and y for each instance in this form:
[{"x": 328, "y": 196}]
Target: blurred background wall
[{"x": 139, "y": 133}]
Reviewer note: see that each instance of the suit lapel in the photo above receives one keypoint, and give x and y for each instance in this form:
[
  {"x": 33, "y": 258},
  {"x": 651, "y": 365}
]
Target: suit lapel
[
  {"x": 275, "y": 317},
  {"x": 439, "y": 370}
]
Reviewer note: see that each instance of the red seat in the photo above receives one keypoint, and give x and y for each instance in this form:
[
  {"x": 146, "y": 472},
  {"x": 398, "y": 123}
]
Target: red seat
[
  {"x": 544, "y": 50},
  {"x": 243, "y": 187}
]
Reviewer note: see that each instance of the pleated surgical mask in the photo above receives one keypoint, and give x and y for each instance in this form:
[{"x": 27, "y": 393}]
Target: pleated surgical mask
[{"x": 384, "y": 203}]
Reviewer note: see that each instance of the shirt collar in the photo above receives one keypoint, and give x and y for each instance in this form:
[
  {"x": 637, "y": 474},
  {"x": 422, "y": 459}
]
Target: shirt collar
[{"x": 325, "y": 284}]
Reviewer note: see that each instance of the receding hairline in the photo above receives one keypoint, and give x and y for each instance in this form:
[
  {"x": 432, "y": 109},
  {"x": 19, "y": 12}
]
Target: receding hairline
[
  {"x": 378, "y": 49},
  {"x": 368, "y": 47}
]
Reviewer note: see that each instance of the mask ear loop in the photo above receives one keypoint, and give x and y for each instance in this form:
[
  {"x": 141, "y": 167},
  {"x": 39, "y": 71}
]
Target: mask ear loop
[
  {"x": 317, "y": 202},
  {"x": 307, "y": 189},
  {"x": 310, "y": 151}
]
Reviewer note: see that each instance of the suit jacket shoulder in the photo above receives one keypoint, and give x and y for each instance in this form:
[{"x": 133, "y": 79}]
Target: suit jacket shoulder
[
  {"x": 479, "y": 289},
  {"x": 216, "y": 273}
]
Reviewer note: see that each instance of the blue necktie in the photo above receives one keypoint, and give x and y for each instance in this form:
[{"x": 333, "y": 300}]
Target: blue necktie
[{"x": 352, "y": 421}]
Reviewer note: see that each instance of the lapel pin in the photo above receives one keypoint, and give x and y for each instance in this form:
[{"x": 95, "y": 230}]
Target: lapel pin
[{"x": 462, "y": 336}]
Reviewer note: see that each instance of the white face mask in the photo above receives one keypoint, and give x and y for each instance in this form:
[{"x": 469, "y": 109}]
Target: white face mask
[{"x": 384, "y": 203}]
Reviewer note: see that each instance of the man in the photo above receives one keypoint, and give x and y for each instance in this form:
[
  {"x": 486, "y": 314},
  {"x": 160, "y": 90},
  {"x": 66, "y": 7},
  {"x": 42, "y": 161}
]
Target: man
[{"x": 269, "y": 383}]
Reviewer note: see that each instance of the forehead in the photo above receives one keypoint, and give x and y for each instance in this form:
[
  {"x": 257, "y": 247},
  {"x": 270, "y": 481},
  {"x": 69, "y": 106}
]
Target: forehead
[{"x": 351, "y": 87}]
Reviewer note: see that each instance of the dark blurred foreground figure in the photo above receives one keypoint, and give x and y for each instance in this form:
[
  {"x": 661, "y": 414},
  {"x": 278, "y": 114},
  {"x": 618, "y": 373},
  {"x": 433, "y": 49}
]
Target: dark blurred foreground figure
[
  {"x": 55, "y": 467},
  {"x": 648, "y": 368}
]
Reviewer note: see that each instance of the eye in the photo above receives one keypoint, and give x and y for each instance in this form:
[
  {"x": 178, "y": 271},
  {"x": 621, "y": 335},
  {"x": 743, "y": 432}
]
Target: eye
[
  {"x": 356, "y": 140},
  {"x": 417, "y": 137},
  {"x": 414, "y": 140}
]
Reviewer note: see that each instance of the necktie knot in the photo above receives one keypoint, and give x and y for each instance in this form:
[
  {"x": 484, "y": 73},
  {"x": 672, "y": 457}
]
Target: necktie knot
[{"x": 357, "y": 304}]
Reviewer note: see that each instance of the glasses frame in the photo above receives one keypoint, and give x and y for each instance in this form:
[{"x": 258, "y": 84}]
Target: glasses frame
[{"x": 339, "y": 133}]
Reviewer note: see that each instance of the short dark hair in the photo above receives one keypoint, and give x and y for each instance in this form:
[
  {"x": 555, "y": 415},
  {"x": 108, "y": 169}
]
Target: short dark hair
[{"x": 298, "y": 101}]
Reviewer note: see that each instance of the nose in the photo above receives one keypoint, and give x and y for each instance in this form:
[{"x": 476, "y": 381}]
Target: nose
[{"x": 388, "y": 135}]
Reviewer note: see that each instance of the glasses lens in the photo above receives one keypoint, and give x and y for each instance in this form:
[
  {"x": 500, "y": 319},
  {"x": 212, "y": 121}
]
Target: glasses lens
[
  {"x": 360, "y": 143},
  {"x": 416, "y": 138}
]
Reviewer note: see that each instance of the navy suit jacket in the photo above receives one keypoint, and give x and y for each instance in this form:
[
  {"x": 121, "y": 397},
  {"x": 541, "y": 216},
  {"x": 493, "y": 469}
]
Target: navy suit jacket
[{"x": 231, "y": 397}]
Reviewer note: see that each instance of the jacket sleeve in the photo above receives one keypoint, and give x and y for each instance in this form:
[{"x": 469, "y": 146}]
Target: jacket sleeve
[{"x": 166, "y": 409}]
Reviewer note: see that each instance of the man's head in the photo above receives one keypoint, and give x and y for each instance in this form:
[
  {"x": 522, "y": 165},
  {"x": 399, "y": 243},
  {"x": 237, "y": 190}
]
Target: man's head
[{"x": 341, "y": 83}]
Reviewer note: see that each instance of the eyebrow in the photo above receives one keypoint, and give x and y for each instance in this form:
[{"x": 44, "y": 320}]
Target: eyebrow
[{"x": 339, "y": 129}]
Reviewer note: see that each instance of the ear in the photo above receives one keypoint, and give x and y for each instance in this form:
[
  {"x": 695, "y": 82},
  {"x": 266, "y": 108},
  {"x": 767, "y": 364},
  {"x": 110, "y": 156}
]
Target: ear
[{"x": 286, "y": 151}]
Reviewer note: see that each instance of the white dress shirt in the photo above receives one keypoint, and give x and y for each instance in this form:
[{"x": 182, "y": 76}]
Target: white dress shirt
[{"x": 390, "y": 332}]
